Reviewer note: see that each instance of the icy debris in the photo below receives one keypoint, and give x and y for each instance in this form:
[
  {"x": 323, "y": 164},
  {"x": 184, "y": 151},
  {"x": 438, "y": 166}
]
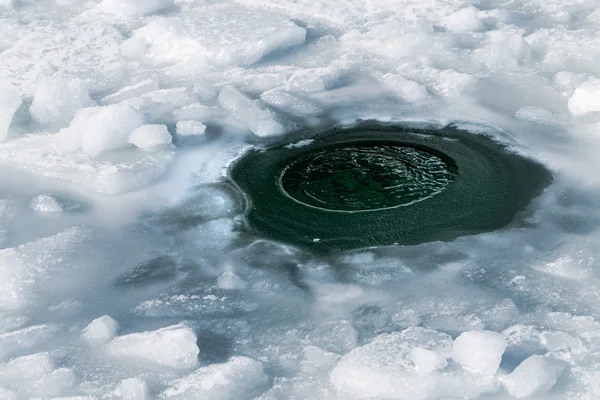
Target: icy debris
[
  {"x": 337, "y": 293},
  {"x": 27, "y": 368},
  {"x": 133, "y": 8},
  {"x": 287, "y": 102},
  {"x": 10, "y": 100},
  {"x": 130, "y": 91},
  {"x": 505, "y": 49},
  {"x": 407, "y": 90},
  {"x": 464, "y": 20},
  {"x": 230, "y": 281},
  {"x": 26, "y": 338},
  {"x": 223, "y": 35},
  {"x": 427, "y": 361},
  {"x": 100, "y": 330},
  {"x": 133, "y": 389},
  {"x": 23, "y": 268},
  {"x": 149, "y": 136},
  {"x": 534, "y": 375},
  {"x": 384, "y": 368},
  {"x": 535, "y": 114},
  {"x": 190, "y": 128},
  {"x": 586, "y": 98},
  {"x": 57, "y": 100},
  {"x": 51, "y": 385},
  {"x": 160, "y": 103},
  {"x": 480, "y": 351},
  {"x": 174, "y": 346},
  {"x": 239, "y": 378},
  {"x": 99, "y": 129},
  {"x": 337, "y": 336},
  {"x": 261, "y": 121},
  {"x": 46, "y": 204}
]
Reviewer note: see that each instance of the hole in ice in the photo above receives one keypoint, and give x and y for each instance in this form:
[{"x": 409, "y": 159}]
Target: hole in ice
[{"x": 378, "y": 184}]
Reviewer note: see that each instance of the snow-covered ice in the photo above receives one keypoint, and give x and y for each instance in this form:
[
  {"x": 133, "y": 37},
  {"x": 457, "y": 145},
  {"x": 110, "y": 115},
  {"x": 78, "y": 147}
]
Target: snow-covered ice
[
  {"x": 119, "y": 119},
  {"x": 480, "y": 351},
  {"x": 534, "y": 375}
]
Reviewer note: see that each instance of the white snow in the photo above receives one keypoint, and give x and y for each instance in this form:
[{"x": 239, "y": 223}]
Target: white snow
[
  {"x": 264, "y": 319},
  {"x": 238, "y": 378},
  {"x": 46, "y": 204},
  {"x": 427, "y": 361},
  {"x": 100, "y": 330},
  {"x": 133, "y": 8},
  {"x": 384, "y": 368},
  {"x": 98, "y": 129},
  {"x": 57, "y": 100},
  {"x": 10, "y": 100},
  {"x": 480, "y": 351},
  {"x": 133, "y": 389},
  {"x": 149, "y": 136},
  {"x": 260, "y": 120},
  {"x": 586, "y": 97},
  {"x": 190, "y": 128},
  {"x": 537, "y": 374},
  {"x": 173, "y": 346}
]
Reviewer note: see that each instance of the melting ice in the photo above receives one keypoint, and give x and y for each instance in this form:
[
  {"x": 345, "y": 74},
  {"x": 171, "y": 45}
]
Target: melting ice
[{"x": 123, "y": 271}]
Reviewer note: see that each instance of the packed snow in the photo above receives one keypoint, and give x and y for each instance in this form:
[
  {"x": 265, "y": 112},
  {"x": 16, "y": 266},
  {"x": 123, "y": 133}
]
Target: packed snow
[{"x": 124, "y": 273}]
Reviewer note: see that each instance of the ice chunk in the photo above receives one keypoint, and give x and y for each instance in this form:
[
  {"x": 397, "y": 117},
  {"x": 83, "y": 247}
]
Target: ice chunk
[
  {"x": 189, "y": 128},
  {"x": 149, "y": 136},
  {"x": 26, "y": 338},
  {"x": 100, "y": 330},
  {"x": 135, "y": 90},
  {"x": 26, "y": 368},
  {"x": 50, "y": 385},
  {"x": 24, "y": 267},
  {"x": 133, "y": 389},
  {"x": 133, "y": 8},
  {"x": 46, "y": 204},
  {"x": 239, "y": 378},
  {"x": 261, "y": 121},
  {"x": 407, "y": 90},
  {"x": 174, "y": 346},
  {"x": 230, "y": 281},
  {"x": 10, "y": 100},
  {"x": 98, "y": 129},
  {"x": 427, "y": 361},
  {"x": 224, "y": 34},
  {"x": 464, "y": 20},
  {"x": 480, "y": 351},
  {"x": 586, "y": 98},
  {"x": 57, "y": 100},
  {"x": 534, "y": 375},
  {"x": 287, "y": 102},
  {"x": 384, "y": 368}
]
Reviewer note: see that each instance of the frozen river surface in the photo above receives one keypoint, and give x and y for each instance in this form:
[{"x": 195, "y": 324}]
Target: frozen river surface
[{"x": 124, "y": 271}]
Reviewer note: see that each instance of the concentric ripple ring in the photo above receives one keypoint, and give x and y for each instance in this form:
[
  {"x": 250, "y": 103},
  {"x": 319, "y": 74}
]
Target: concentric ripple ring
[{"x": 365, "y": 177}]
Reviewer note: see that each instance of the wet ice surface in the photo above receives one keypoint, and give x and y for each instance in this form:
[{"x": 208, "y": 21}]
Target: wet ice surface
[{"x": 123, "y": 273}]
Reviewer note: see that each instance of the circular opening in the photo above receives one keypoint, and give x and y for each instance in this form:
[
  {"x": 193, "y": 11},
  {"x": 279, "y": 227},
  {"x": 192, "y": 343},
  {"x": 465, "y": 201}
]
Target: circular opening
[
  {"x": 376, "y": 184},
  {"x": 365, "y": 177}
]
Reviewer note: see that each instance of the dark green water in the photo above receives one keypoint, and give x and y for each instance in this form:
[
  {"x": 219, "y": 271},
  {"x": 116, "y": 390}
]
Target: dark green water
[{"x": 376, "y": 184}]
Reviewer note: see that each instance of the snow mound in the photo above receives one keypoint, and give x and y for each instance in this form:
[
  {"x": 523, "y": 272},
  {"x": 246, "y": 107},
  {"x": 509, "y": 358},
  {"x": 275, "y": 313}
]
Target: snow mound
[
  {"x": 27, "y": 368},
  {"x": 537, "y": 374},
  {"x": 385, "y": 368},
  {"x": 100, "y": 330},
  {"x": 586, "y": 97},
  {"x": 149, "y": 136},
  {"x": 480, "y": 351},
  {"x": 239, "y": 378},
  {"x": 173, "y": 346},
  {"x": 98, "y": 129},
  {"x": 261, "y": 121},
  {"x": 222, "y": 35},
  {"x": 10, "y": 100},
  {"x": 57, "y": 100}
]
